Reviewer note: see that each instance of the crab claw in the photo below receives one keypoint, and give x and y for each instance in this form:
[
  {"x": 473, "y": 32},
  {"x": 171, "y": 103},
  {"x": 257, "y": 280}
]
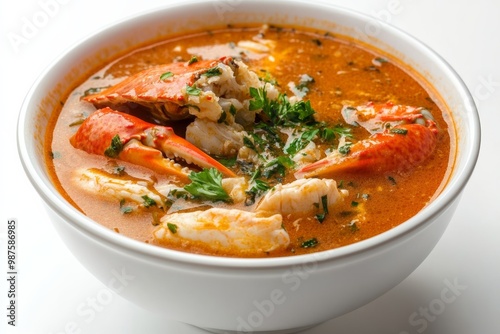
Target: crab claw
[
  {"x": 125, "y": 137},
  {"x": 396, "y": 147}
]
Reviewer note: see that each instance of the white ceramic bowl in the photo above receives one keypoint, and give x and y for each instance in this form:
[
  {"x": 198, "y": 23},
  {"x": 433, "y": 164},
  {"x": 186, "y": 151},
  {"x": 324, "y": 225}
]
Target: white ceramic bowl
[{"x": 244, "y": 295}]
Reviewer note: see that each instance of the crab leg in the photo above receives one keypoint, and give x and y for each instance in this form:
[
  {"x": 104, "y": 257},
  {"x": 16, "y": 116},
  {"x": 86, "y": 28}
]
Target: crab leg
[
  {"x": 397, "y": 148},
  {"x": 119, "y": 135}
]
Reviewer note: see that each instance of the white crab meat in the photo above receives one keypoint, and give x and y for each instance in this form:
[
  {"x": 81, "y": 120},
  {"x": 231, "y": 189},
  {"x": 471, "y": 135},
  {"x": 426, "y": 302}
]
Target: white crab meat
[
  {"x": 236, "y": 188},
  {"x": 230, "y": 231},
  {"x": 232, "y": 84},
  {"x": 216, "y": 138},
  {"x": 136, "y": 190},
  {"x": 301, "y": 196}
]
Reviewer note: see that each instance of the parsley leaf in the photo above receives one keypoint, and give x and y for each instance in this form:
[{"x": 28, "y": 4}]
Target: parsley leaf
[
  {"x": 207, "y": 184},
  {"x": 213, "y": 72},
  {"x": 193, "y": 59},
  {"x": 191, "y": 90},
  {"x": 166, "y": 75},
  {"x": 148, "y": 201},
  {"x": 309, "y": 243},
  {"x": 324, "y": 202},
  {"x": 114, "y": 148},
  {"x": 172, "y": 228}
]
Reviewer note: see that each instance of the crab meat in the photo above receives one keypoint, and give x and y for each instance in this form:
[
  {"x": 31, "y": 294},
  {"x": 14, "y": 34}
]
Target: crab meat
[
  {"x": 200, "y": 88},
  {"x": 402, "y": 138},
  {"x": 228, "y": 231},
  {"x": 216, "y": 138},
  {"x": 127, "y": 188},
  {"x": 119, "y": 135},
  {"x": 304, "y": 196}
]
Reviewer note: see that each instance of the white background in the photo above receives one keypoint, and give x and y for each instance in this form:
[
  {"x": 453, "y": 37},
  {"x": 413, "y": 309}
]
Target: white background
[{"x": 52, "y": 285}]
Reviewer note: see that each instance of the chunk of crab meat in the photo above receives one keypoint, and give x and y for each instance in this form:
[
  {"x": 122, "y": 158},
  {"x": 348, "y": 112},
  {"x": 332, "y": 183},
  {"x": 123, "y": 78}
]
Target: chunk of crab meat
[
  {"x": 228, "y": 231},
  {"x": 301, "y": 196},
  {"x": 307, "y": 155},
  {"x": 128, "y": 138},
  {"x": 128, "y": 188},
  {"x": 216, "y": 138},
  {"x": 178, "y": 90},
  {"x": 398, "y": 149},
  {"x": 236, "y": 188}
]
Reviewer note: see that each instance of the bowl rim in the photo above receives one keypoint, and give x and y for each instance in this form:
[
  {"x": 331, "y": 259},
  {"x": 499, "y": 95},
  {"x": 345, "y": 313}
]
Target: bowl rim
[{"x": 87, "y": 226}]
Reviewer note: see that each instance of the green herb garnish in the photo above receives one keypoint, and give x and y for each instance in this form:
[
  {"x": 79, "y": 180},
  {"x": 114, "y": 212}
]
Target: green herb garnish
[
  {"x": 324, "y": 202},
  {"x": 172, "y": 228},
  {"x": 166, "y": 75},
  {"x": 148, "y": 201},
  {"x": 125, "y": 209},
  {"x": 313, "y": 242},
  {"x": 207, "y": 184},
  {"x": 399, "y": 131},
  {"x": 191, "y": 90},
  {"x": 114, "y": 148},
  {"x": 345, "y": 149},
  {"x": 213, "y": 72},
  {"x": 193, "y": 60}
]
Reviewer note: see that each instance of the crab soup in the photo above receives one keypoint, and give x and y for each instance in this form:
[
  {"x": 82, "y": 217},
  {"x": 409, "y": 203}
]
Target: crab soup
[{"x": 251, "y": 142}]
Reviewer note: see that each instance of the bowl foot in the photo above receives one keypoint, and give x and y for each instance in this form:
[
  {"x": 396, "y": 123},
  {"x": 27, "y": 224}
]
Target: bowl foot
[{"x": 281, "y": 331}]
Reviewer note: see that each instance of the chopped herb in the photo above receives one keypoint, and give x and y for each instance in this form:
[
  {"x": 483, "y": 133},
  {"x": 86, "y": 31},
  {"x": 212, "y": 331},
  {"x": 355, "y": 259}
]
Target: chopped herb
[
  {"x": 345, "y": 149},
  {"x": 392, "y": 180},
  {"x": 94, "y": 90},
  {"x": 119, "y": 170},
  {"x": 193, "y": 60},
  {"x": 222, "y": 117},
  {"x": 399, "y": 131},
  {"x": 172, "y": 228},
  {"x": 125, "y": 209},
  {"x": 299, "y": 143},
  {"x": 309, "y": 243},
  {"x": 55, "y": 155},
  {"x": 327, "y": 134},
  {"x": 381, "y": 60},
  {"x": 207, "y": 184},
  {"x": 324, "y": 202},
  {"x": 176, "y": 194},
  {"x": 148, "y": 201},
  {"x": 258, "y": 189},
  {"x": 354, "y": 203},
  {"x": 213, "y": 72},
  {"x": 232, "y": 110},
  {"x": 166, "y": 75},
  {"x": 353, "y": 227},
  {"x": 228, "y": 162},
  {"x": 191, "y": 90},
  {"x": 317, "y": 41},
  {"x": 114, "y": 148},
  {"x": 77, "y": 122},
  {"x": 269, "y": 78},
  {"x": 278, "y": 166}
]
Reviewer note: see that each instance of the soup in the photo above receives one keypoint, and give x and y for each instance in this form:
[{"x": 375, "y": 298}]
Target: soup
[{"x": 251, "y": 142}]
